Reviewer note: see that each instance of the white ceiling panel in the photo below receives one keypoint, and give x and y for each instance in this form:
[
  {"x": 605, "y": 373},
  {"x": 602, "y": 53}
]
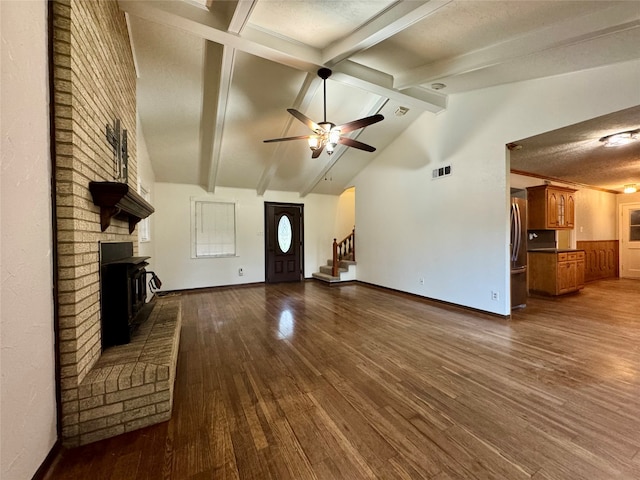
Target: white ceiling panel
[
  {"x": 317, "y": 23},
  {"x": 217, "y": 77},
  {"x": 459, "y": 27},
  {"x": 169, "y": 93},
  {"x": 581, "y": 56},
  {"x": 256, "y": 114}
]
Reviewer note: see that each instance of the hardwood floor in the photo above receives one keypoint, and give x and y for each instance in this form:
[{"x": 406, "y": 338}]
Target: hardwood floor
[{"x": 304, "y": 381}]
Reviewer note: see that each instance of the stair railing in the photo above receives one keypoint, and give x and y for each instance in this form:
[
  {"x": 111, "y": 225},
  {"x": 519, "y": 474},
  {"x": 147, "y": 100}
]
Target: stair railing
[{"x": 345, "y": 248}]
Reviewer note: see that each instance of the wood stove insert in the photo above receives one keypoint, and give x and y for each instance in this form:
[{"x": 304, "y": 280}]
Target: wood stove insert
[{"x": 123, "y": 292}]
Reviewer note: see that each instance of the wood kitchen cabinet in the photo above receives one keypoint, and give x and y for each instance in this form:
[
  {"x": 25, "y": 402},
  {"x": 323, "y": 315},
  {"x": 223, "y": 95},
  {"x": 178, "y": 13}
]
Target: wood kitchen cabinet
[
  {"x": 556, "y": 273},
  {"x": 550, "y": 207}
]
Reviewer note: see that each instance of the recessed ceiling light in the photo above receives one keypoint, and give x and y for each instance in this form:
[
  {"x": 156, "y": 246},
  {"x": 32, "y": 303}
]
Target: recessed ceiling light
[
  {"x": 619, "y": 139},
  {"x": 438, "y": 86}
]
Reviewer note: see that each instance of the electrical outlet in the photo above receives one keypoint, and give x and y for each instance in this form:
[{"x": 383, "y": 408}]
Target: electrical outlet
[
  {"x": 441, "y": 172},
  {"x": 421, "y": 281},
  {"x": 240, "y": 272},
  {"x": 495, "y": 296}
]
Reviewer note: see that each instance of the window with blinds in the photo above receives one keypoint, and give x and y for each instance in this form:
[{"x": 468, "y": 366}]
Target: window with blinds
[
  {"x": 213, "y": 229},
  {"x": 144, "y": 226}
]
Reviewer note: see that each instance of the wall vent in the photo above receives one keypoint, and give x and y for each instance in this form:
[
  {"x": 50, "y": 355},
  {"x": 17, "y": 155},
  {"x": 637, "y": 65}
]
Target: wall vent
[{"x": 441, "y": 172}]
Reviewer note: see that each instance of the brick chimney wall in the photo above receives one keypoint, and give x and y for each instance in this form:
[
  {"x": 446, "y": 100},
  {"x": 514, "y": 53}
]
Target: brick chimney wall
[{"x": 94, "y": 83}]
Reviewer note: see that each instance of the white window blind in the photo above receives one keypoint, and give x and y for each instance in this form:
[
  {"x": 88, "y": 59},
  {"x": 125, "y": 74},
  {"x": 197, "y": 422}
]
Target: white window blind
[
  {"x": 214, "y": 229},
  {"x": 144, "y": 229}
]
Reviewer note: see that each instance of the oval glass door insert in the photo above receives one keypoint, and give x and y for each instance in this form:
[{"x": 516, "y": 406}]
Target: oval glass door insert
[{"x": 284, "y": 233}]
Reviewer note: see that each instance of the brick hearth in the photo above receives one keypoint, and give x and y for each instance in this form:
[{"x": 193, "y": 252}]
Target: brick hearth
[{"x": 131, "y": 386}]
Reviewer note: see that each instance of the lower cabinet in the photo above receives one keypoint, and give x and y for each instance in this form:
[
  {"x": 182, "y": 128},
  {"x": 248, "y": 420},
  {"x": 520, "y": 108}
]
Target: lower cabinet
[{"x": 556, "y": 273}]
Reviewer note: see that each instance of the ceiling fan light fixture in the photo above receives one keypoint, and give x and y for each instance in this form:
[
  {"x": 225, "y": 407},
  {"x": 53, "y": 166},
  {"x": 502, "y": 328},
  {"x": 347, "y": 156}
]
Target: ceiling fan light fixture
[
  {"x": 314, "y": 142},
  {"x": 619, "y": 139},
  {"x": 326, "y": 135},
  {"x": 631, "y": 188},
  {"x": 334, "y": 136},
  {"x": 330, "y": 148}
]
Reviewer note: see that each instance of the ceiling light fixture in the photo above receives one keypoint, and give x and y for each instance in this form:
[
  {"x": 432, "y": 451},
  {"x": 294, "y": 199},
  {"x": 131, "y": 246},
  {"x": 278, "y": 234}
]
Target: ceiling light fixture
[
  {"x": 438, "y": 86},
  {"x": 619, "y": 139},
  {"x": 631, "y": 188},
  {"x": 327, "y": 135}
]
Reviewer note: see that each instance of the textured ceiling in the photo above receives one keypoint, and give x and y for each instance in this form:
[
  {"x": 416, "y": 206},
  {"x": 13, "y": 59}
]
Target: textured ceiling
[
  {"x": 216, "y": 76},
  {"x": 315, "y": 24},
  {"x": 575, "y": 153}
]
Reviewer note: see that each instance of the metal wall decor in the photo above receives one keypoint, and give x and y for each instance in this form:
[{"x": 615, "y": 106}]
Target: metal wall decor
[{"x": 117, "y": 138}]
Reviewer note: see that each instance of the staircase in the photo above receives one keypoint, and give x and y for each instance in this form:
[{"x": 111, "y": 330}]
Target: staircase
[
  {"x": 342, "y": 267},
  {"x": 346, "y": 272}
]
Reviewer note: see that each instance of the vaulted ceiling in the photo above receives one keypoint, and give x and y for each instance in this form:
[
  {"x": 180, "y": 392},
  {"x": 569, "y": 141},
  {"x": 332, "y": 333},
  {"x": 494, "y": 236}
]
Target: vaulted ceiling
[{"x": 216, "y": 77}]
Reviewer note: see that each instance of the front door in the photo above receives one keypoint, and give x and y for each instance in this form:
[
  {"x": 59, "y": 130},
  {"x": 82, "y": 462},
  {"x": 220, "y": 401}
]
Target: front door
[
  {"x": 630, "y": 240},
  {"x": 284, "y": 242}
]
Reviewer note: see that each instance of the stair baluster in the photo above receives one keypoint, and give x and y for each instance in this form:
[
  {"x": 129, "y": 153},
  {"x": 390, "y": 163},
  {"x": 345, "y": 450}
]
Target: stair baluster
[{"x": 345, "y": 248}]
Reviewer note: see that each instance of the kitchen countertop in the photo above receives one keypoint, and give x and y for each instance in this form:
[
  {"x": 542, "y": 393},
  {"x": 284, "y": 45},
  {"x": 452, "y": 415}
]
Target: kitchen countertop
[{"x": 554, "y": 250}]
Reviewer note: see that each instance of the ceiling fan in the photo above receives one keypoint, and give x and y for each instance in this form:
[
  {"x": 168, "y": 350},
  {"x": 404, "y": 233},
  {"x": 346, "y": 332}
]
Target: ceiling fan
[{"x": 327, "y": 135}]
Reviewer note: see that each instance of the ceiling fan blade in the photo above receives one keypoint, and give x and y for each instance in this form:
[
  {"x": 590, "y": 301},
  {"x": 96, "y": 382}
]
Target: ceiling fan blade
[
  {"x": 361, "y": 123},
  {"x": 286, "y": 139},
  {"x": 304, "y": 119},
  {"x": 350, "y": 142},
  {"x": 316, "y": 153}
]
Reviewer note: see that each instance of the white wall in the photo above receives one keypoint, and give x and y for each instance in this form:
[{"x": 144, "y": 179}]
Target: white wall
[
  {"x": 346, "y": 214},
  {"x": 596, "y": 211},
  {"x": 178, "y": 270},
  {"x": 596, "y": 215},
  {"x": 146, "y": 178},
  {"x": 628, "y": 198},
  {"x": 453, "y": 231},
  {"x": 27, "y": 392}
]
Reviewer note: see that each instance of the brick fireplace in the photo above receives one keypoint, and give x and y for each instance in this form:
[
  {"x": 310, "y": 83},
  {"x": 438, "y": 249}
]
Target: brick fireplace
[{"x": 94, "y": 84}]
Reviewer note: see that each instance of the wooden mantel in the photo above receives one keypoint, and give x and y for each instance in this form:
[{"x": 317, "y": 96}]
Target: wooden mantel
[{"x": 121, "y": 201}]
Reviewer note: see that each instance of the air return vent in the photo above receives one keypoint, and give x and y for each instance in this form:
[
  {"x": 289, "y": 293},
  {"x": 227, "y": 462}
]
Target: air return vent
[{"x": 441, "y": 172}]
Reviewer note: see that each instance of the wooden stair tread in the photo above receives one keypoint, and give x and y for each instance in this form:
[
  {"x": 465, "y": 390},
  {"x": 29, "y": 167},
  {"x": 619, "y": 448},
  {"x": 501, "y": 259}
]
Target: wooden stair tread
[{"x": 325, "y": 277}]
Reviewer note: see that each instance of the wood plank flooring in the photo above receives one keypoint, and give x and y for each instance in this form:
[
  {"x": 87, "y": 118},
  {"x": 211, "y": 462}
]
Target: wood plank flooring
[{"x": 305, "y": 381}]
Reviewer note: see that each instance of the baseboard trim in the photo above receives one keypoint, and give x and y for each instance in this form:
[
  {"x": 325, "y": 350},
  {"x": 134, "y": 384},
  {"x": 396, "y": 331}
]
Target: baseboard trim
[
  {"x": 436, "y": 302},
  {"x": 187, "y": 291},
  {"x": 49, "y": 462}
]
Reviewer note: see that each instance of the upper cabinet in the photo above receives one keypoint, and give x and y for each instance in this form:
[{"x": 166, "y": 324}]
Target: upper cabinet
[{"x": 550, "y": 207}]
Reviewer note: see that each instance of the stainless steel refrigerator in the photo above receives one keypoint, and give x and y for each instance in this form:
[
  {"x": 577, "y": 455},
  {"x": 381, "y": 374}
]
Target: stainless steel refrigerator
[{"x": 518, "y": 250}]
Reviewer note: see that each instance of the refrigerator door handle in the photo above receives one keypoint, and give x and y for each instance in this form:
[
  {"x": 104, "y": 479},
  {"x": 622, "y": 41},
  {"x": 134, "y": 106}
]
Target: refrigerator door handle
[
  {"x": 513, "y": 232},
  {"x": 519, "y": 230},
  {"x": 517, "y": 233}
]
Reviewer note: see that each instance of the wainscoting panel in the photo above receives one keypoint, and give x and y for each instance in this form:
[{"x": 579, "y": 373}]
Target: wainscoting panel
[{"x": 601, "y": 259}]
